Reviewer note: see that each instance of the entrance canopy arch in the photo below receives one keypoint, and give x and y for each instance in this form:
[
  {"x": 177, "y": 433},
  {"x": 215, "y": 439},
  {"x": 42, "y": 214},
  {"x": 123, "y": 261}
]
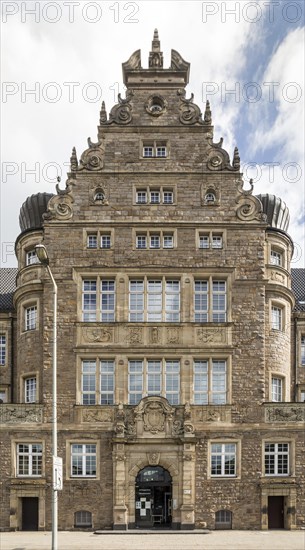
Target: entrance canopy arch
[{"x": 153, "y": 497}]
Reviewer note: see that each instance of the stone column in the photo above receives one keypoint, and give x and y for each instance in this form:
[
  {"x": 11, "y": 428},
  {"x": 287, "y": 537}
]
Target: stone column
[{"x": 119, "y": 488}]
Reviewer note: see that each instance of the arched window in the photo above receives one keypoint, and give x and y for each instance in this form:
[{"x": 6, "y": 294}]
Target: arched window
[
  {"x": 223, "y": 519},
  {"x": 82, "y": 518},
  {"x": 210, "y": 198}
]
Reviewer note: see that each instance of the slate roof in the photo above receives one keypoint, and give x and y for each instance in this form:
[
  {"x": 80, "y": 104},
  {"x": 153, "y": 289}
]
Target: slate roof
[
  {"x": 298, "y": 287},
  {"x": 7, "y": 287}
]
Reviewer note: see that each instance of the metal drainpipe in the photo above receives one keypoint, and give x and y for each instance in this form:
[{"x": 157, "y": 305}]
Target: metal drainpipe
[
  {"x": 295, "y": 359},
  {"x": 12, "y": 357}
]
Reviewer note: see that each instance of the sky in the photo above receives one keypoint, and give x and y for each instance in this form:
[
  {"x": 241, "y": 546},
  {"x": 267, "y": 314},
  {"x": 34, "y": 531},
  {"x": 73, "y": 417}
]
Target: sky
[{"x": 60, "y": 60}]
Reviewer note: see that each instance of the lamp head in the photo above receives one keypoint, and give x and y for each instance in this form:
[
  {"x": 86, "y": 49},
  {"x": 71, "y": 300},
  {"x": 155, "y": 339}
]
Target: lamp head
[{"x": 42, "y": 254}]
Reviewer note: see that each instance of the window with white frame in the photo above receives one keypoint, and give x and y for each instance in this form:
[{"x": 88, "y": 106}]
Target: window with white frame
[
  {"x": 210, "y": 381},
  {"x": 92, "y": 240},
  {"x": 153, "y": 149},
  {"x": 2, "y": 350},
  {"x": 97, "y": 382},
  {"x": 276, "y": 257},
  {"x": 99, "y": 239},
  {"x": 210, "y": 301},
  {"x": 154, "y": 195},
  {"x": 31, "y": 257},
  {"x": 276, "y": 459},
  {"x": 210, "y": 240},
  {"x": 276, "y": 317},
  {"x": 105, "y": 240},
  {"x": 154, "y": 377},
  {"x": 303, "y": 349},
  {"x": 3, "y": 395},
  {"x": 223, "y": 459},
  {"x": 83, "y": 518},
  {"x": 153, "y": 239},
  {"x": 276, "y": 388},
  {"x": 154, "y": 300},
  {"x": 98, "y": 300},
  {"x": 31, "y": 318},
  {"x": 83, "y": 460},
  {"x": 29, "y": 459},
  {"x": 30, "y": 389},
  {"x": 302, "y": 395}
]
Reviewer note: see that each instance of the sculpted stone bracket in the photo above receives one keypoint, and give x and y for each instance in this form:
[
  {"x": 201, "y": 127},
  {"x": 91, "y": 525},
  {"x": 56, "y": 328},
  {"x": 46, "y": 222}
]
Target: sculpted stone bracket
[
  {"x": 189, "y": 111},
  {"x": 249, "y": 207},
  {"x": 60, "y": 205},
  {"x": 121, "y": 113},
  {"x": 218, "y": 158},
  {"x": 92, "y": 159}
]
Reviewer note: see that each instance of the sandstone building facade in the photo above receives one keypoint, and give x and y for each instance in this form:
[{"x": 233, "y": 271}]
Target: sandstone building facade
[{"x": 181, "y": 340}]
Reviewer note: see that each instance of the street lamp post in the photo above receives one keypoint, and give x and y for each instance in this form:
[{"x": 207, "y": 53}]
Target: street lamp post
[{"x": 44, "y": 259}]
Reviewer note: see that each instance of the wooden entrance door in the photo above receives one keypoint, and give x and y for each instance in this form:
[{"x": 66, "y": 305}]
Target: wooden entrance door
[
  {"x": 30, "y": 514},
  {"x": 276, "y": 512}
]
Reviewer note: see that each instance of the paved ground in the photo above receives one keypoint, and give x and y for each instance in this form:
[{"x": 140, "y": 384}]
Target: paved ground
[{"x": 134, "y": 540}]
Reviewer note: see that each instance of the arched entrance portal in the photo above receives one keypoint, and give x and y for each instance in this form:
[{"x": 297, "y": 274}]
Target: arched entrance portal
[{"x": 153, "y": 498}]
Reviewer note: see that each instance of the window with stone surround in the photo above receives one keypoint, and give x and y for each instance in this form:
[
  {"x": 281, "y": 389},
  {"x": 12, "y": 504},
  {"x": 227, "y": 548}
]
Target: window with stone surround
[
  {"x": 210, "y": 300},
  {"x": 97, "y": 382},
  {"x": 210, "y": 381},
  {"x": 302, "y": 395},
  {"x": 276, "y": 257},
  {"x": 277, "y": 388},
  {"x": 83, "y": 518},
  {"x": 276, "y": 317},
  {"x": 29, "y": 459},
  {"x": 155, "y": 239},
  {"x": 223, "y": 519},
  {"x": 223, "y": 459},
  {"x": 159, "y": 377},
  {"x": 3, "y": 395},
  {"x": 154, "y": 300},
  {"x": 302, "y": 350},
  {"x": 83, "y": 460},
  {"x": 208, "y": 240},
  {"x": 31, "y": 257},
  {"x": 30, "y": 317},
  {"x": 154, "y": 149},
  {"x": 99, "y": 239},
  {"x": 154, "y": 195},
  {"x": 98, "y": 300},
  {"x": 30, "y": 389},
  {"x": 3, "y": 350},
  {"x": 276, "y": 457}
]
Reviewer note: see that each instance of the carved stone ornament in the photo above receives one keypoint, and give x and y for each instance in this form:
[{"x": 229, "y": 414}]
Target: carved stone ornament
[
  {"x": 99, "y": 195},
  {"x": 98, "y": 334},
  {"x": 15, "y": 414},
  {"x": 291, "y": 413},
  {"x": 189, "y": 112},
  {"x": 155, "y": 412},
  {"x": 153, "y": 458},
  {"x": 156, "y": 105},
  {"x": 60, "y": 205},
  {"x": 121, "y": 113},
  {"x": 249, "y": 207},
  {"x": 96, "y": 415},
  {"x": 93, "y": 158},
  {"x": 218, "y": 158}
]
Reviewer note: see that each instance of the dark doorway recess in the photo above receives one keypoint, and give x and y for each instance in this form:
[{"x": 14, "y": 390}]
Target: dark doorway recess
[
  {"x": 29, "y": 513},
  {"x": 153, "y": 498},
  {"x": 276, "y": 512}
]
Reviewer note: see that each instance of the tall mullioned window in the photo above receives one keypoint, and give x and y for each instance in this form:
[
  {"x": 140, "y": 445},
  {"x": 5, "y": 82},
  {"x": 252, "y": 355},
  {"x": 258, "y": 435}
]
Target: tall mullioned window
[
  {"x": 154, "y": 300},
  {"x": 303, "y": 349},
  {"x": 99, "y": 300},
  {"x": 210, "y": 382},
  {"x": 30, "y": 385},
  {"x": 276, "y": 318},
  {"x": 98, "y": 382},
  {"x": 29, "y": 459},
  {"x": 2, "y": 350},
  {"x": 83, "y": 460},
  {"x": 210, "y": 301},
  {"x": 276, "y": 459},
  {"x": 277, "y": 388},
  {"x": 31, "y": 318},
  {"x": 223, "y": 459},
  {"x": 159, "y": 377}
]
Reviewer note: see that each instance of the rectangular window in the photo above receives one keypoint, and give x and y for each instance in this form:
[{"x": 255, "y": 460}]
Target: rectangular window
[
  {"x": 148, "y": 151},
  {"x": 154, "y": 377},
  {"x": 155, "y": 197},
  {"x": 204, "y": 241},
  {"x": 168, "y": 241},
  {"x": 29, "y": 459},
  {"x": 160, "y": 151},
  {"x": 2, "y": 350},
  {"x": 154, "y": 241},
  {"x": 277, "y": 389},
  {"x": 141, "y": 241},
  {"x": 302, "y": 396},
  {"x": 88, "y": 382},
  {"x": 155, "y": 149},
  {"x": 30, "y": 389},
  {"x": 92, "y": 240},
  {"x": 31, "y": 318},
  {"x": 276, "y": 459},
  {"x": 276, "y": 318},
  {"x": 31, "y": 257},
  {"x": 154, "y": 300},
  {"x": 107, "y": 301},
  {"x": 210, "y": 240},
  {"x": 105, "y": 240},
  {"x": 168, "y": 197},
  {"x": 223, "y": 459},
  {"x": 141, "y": 197},
  {"x": 83, "y": 460},
  {"x": 303, "y": 349},
  {"x": 89, "y": 300},
  {"x": 216, "y": 241},
  {"x": 3, "y": 396},
  {"x": 210, "y": 382},
  {"x": 107, "y": 382},
  {"x": 104, "y": 293},
  {"x": 275, "y": 257},
  {"x": 210, "y": 301}
]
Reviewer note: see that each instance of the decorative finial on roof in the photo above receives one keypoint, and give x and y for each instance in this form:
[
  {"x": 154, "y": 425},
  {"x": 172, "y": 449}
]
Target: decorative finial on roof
[
  {"x": 103, "y": 114},
  {"x": 207, "y": 113},
  {"x": 155, "y": 56},
  {"x": 73, "y": 161},
  {"x": 236, "y": 159}
]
